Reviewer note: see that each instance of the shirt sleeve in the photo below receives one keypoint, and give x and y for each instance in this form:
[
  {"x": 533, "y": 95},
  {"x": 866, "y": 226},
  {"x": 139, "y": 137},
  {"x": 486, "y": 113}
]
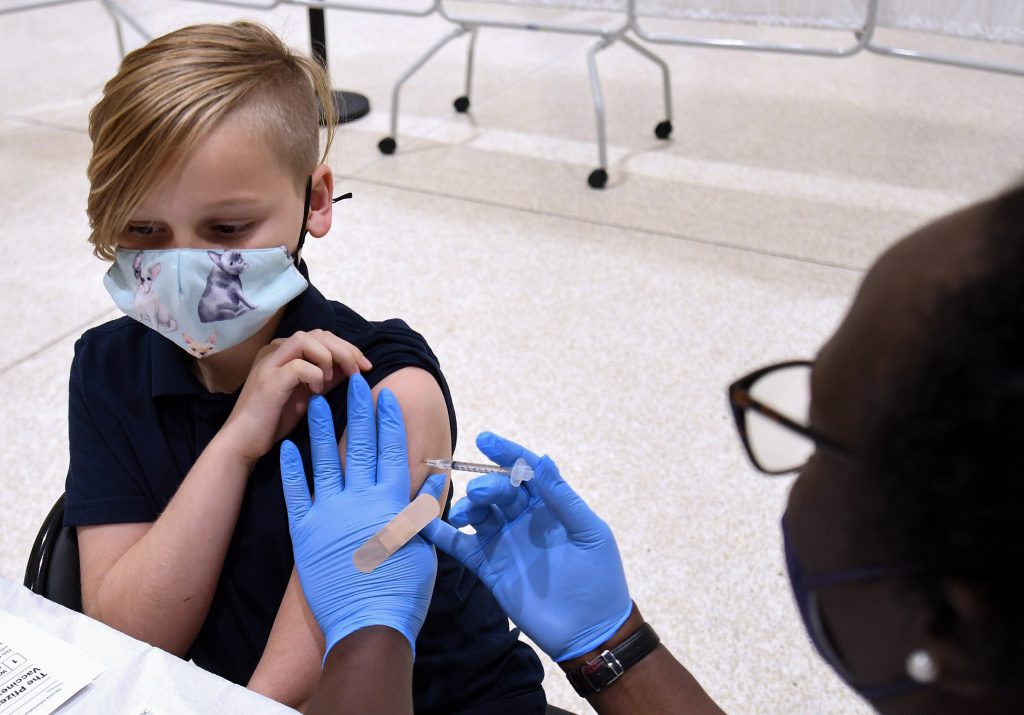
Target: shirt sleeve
[
  {"x": 392, "y": 345},
  {"x": 100, "y": 488}
]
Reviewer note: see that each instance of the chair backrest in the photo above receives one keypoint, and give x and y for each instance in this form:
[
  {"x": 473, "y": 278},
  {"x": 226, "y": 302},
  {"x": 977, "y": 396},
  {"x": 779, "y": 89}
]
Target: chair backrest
[{"x": 53, "y": 569}]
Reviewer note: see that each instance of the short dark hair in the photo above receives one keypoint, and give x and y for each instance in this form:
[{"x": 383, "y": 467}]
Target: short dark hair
[{"x": 948, "y": 451}]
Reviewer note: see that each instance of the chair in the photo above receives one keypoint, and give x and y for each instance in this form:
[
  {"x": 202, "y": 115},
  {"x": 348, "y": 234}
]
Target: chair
[
  {"x": 608, "y": 33},
  {"x": 53, "y": 570}
]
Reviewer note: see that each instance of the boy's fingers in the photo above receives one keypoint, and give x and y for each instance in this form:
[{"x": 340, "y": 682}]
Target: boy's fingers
[
  {"x": 502, "y": 451},
  {"x": 361, "y": 459},
  {"x": 303, "y": 346},
  {"x": 392, "y": 454},
  {"x": 344, "y": 354},
  {"x": 293, "y": 482},
  {"x": 298, "y": 372},
  {"x": 323, "y": 447}
]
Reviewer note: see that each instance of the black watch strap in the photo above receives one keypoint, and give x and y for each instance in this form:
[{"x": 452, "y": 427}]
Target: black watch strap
[{"x": 604, "y": 669}]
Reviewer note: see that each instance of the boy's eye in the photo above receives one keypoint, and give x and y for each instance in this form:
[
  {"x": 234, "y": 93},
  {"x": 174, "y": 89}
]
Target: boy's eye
[
  {"x": 230, "y": 229},
  {"x": 142, "y": 229}
]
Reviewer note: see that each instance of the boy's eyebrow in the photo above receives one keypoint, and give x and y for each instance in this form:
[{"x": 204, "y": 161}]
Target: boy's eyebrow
[
  {"x": 233, "y": 201},
  {"x": 246, "y": 200}
]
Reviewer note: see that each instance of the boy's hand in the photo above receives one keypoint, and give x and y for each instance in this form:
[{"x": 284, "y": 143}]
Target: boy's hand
[{"x": 286, "y": 372}]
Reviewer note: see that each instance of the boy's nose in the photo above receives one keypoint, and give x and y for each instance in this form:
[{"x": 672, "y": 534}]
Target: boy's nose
[{"x": 190, "y": 239}]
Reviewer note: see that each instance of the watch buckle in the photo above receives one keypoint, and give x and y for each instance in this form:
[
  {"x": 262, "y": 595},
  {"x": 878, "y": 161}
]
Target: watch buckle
[
  {"x": 608, "y": 659},
  {"x": 613, "y": 663}
]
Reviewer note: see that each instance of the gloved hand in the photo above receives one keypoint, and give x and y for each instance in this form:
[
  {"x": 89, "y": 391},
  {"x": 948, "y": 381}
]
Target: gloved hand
[
  {"x": 350, "y": 509},
  {"x": 551, "y": 563}
]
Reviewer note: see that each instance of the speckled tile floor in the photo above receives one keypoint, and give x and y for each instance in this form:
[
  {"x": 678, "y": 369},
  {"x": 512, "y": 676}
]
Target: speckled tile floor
[{"x": 601, "y": 327}]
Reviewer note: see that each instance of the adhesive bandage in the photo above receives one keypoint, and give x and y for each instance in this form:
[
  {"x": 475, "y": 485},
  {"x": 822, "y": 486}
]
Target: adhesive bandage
[{"x": 394, "y": 535}]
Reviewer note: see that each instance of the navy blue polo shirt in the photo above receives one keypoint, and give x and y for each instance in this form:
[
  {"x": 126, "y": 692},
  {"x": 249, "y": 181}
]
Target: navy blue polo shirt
[{"x": 138, "y": 420}]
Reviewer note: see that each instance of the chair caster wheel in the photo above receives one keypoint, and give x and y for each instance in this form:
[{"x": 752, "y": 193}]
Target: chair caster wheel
[
  {"x": 663, "y": 130},
  {"x": 387, "y": 145},
  {"x": 461, "y": 104},
  {"x": 597, "y": 179}
]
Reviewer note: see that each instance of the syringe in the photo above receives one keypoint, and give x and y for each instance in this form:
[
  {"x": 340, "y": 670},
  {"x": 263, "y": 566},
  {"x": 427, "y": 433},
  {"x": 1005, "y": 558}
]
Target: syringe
[{"x": 518, "y": 473}]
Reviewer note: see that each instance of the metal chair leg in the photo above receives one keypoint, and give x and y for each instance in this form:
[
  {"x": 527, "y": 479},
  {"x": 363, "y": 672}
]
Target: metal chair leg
[
  {"x": 599, "y": 176},
  {"x": 663, "y": 130},
  {"x": 462, "y": 103},
  {"x": 119, "y": 15},
  {"x": 388, "y": 144}
]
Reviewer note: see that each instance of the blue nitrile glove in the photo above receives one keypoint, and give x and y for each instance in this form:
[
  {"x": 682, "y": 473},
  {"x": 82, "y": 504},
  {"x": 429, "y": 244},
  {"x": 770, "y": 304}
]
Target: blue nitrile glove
[
  {"x": 548, "y": 559},
  {"x": 350, "y": 509}
]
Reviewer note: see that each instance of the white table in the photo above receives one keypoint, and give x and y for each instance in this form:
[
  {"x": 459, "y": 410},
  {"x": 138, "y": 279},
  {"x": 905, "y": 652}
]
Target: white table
[{"x": 137, "y": 676}]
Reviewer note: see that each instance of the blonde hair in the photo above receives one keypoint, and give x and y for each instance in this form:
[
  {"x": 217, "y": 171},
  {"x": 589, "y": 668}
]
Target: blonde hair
[{"x": 172, "y": 92}]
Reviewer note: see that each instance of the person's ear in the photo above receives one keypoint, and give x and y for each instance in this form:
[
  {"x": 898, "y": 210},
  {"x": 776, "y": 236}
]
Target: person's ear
[{"x": 318, "y": 220}]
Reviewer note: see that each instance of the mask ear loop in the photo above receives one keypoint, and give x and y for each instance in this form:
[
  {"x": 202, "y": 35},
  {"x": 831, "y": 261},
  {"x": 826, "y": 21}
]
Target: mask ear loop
[{"x": 305, "y": 215}]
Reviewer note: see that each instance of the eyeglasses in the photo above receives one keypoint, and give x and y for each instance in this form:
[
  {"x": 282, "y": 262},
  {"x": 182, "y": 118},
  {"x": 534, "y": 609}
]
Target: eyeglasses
[{"x": 772, "y": 411}]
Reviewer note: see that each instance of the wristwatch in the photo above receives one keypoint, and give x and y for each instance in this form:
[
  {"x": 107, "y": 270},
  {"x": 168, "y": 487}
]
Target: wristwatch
[{"x": 604, "y": 669}]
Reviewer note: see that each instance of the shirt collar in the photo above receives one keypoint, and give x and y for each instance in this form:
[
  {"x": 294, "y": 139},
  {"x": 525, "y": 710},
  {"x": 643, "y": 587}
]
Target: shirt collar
[{"x": 171, "y": 366}]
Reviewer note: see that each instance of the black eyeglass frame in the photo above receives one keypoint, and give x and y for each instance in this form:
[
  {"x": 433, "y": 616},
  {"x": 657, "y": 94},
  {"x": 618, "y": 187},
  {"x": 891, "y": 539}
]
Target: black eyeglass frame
[{"x": 740, "y": 400}]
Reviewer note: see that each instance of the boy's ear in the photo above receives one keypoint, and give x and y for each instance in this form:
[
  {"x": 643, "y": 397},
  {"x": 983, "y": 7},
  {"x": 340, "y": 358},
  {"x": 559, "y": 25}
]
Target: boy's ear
[{"x": 318, "y": 221}]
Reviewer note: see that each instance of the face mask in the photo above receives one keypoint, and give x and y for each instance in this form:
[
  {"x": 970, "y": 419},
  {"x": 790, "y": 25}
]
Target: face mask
[
  {"x": 203, "y": 300},
  {"x": 805, "y": 590}
]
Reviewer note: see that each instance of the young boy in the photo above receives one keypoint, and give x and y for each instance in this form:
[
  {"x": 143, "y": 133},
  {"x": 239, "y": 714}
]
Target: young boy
[{"x": 205, "y": 177}]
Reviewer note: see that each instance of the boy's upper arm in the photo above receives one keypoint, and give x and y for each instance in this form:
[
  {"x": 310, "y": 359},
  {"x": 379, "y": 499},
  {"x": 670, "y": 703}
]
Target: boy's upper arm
[
  {"x": 427, "y": 427},
  {"x": 103, "y": 501}
]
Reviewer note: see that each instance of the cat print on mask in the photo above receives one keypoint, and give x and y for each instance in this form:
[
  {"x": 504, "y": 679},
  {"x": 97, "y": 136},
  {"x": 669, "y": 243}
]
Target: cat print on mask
[
  {"x": 223, "y": 298},
  {"x": 198, "y": 349},
  {"x": 147, "y": 303}
]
